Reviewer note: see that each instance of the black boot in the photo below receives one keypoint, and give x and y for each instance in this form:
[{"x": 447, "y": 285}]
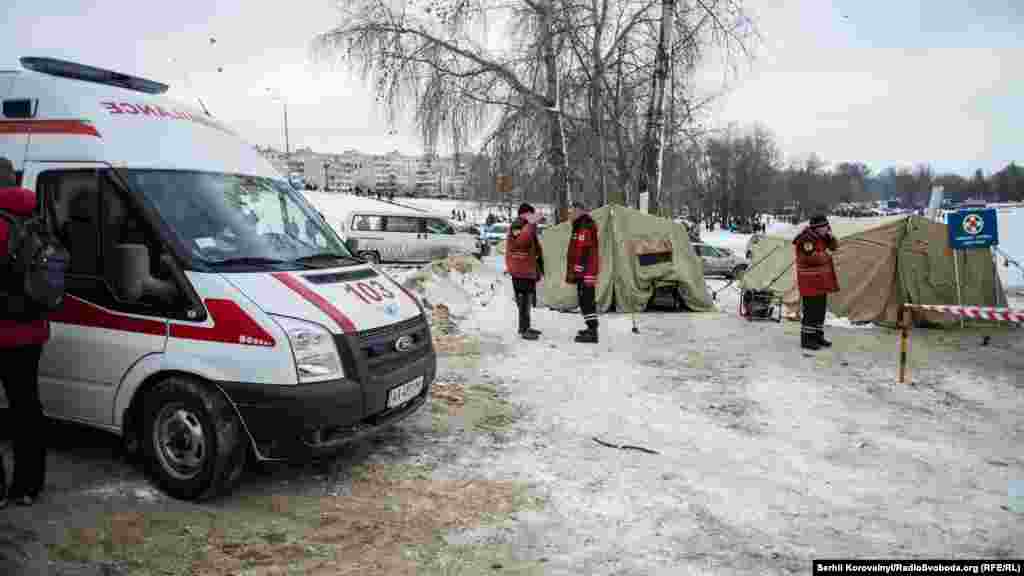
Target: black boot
[
  {"x": 821, "y": 340},
  {"x": 809, "y": 341},
  {"x": 525, "y": 332},
  {"x": 589, "y": 335}
]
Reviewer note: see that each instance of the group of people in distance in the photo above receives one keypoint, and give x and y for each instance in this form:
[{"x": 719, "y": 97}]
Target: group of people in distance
[{"x": 524, "y": 261}]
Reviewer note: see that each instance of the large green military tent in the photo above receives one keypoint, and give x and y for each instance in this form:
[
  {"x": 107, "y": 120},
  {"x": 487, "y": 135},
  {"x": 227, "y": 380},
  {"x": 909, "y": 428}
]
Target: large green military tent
[
  {"x": 881, "y": 266},
  {"x": 637, "y": 251}
]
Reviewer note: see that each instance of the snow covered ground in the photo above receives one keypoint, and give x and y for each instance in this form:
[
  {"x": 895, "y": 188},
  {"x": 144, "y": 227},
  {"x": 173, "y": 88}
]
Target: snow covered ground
[{"x": 766, "y": 457}]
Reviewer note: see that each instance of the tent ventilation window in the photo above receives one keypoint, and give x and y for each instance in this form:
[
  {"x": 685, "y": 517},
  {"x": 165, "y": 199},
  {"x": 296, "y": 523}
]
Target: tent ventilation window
[
  {"x": 656, "y": 258},
  {"x": 652, "y": 251}
]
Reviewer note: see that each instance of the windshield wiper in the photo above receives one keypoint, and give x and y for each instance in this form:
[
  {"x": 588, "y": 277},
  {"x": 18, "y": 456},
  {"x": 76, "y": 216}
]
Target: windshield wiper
[
  {"x": 327, "y": 256},
  {"x": 249, "y": 260}
]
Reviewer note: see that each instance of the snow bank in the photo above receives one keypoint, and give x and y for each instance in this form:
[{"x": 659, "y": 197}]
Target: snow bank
[{"x": 460, "y": 283}]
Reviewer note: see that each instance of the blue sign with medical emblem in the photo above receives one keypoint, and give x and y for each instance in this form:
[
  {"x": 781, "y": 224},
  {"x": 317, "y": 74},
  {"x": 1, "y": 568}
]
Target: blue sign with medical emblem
[{"x": 973, "y": 228}]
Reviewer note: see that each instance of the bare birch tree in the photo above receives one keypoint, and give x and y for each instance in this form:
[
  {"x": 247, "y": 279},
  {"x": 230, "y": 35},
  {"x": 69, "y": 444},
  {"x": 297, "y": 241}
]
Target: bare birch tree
[{"x": 437, "y": 56}]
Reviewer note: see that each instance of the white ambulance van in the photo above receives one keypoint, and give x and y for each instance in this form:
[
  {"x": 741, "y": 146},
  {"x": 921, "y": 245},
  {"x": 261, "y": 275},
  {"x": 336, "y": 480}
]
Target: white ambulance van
[{"x": 211, "y": 313}]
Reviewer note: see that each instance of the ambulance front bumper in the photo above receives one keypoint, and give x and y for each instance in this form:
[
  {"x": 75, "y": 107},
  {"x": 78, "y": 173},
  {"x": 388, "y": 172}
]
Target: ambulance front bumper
[{"x": 310, "y": 420}]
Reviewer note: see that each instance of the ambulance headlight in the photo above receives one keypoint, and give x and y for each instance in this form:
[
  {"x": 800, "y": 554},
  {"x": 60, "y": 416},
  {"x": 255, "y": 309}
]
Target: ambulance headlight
[{"x": 316, "y": 356}]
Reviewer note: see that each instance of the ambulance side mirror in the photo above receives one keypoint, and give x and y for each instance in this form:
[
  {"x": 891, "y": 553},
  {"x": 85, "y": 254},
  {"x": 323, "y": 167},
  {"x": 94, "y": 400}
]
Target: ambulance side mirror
[{"x": 131, "y": 277}]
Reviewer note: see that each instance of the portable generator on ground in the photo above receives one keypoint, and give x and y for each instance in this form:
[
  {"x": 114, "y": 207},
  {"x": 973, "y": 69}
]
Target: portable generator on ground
[{"x": 760, "y": 305}]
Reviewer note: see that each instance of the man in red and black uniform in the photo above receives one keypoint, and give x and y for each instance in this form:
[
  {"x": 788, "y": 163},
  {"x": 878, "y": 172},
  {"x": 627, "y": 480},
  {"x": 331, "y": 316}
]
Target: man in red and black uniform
[
  {"x": 21, "y": 345},
  {"x": 524, "y": 261},
  {"x": 583, "y": 266},
  {"x": 816, "y": 278}
]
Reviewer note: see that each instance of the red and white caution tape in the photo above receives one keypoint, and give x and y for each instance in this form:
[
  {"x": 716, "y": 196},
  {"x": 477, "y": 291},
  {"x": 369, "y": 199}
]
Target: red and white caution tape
[{"x": 976, "y": 312}]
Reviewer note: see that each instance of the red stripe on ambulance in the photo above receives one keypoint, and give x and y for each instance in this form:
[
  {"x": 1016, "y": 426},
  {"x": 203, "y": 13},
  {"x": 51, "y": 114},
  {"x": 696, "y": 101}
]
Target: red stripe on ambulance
[
  {"x": 72, "y": 127},
  {"x": 316, "y": 300},
  {"x": 231, "y": 325},
  {"x": 78, "y": 312}
]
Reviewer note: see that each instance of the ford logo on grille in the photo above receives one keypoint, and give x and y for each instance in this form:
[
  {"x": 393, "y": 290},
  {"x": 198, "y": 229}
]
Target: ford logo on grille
[{"x": 404, "y": 343}]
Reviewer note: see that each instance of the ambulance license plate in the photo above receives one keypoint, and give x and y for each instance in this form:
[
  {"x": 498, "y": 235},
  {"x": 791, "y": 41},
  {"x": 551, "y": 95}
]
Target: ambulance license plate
[{"x": 404, "y": 392}]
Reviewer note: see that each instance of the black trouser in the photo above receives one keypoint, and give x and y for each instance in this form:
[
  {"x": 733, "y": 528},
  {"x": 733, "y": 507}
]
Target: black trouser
[
  {"x": 526, "y": 296},
  {"x": 586, "y": 296},
  {"x": 812, "y": 325},
  {"x": 19, "y": 370}
]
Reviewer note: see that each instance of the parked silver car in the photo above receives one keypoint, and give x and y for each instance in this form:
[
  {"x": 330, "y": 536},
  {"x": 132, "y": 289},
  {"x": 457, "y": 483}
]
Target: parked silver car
[
  {"x": 721, "y": 261},
  {"x": 496, "y": 233}
]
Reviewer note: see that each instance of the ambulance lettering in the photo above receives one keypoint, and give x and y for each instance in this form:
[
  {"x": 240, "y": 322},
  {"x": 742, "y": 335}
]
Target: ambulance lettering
[
  {"x": 154, "y": 111},
  {"x": 369, "y": 293}
]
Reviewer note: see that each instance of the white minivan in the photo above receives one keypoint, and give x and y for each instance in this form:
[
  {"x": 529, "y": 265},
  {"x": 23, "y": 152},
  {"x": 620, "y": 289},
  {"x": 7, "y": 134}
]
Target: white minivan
[
  {"x": 211, "y": 313},
  {"x": 404, "y": 236}
]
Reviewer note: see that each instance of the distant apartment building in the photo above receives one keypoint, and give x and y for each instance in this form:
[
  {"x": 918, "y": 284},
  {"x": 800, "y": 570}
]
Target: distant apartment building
[
  {"x": 455, "y": 178},
  {"x": 428, "y": 176},
  {"x": 394, "y": 174},
  {"x": 340, "y": 172},
  {"x": 441, "y": 177}
]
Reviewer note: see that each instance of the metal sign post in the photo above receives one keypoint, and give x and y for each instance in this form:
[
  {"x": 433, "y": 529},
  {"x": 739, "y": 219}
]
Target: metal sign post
[
  {"x": 956, "y": 274},
  {"x": 970, "y": 229}
]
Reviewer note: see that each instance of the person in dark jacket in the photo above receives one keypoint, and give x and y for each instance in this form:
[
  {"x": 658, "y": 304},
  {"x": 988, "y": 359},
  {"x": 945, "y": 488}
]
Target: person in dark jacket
[
  {"x": 583, "y": 266},
  {"x": 524, "y": 261},
  {"x": 21, "y": 345},
  {"x": 816, "y": 278}
]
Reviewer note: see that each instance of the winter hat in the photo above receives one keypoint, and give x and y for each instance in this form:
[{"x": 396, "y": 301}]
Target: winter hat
[
  {"x": 525, "y": 208},
  {"x": 819, "y": 221}
]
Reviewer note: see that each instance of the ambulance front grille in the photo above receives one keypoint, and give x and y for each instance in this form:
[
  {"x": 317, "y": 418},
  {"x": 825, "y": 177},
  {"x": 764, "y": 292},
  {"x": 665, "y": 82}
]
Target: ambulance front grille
[{"x": 377, "y": 346}]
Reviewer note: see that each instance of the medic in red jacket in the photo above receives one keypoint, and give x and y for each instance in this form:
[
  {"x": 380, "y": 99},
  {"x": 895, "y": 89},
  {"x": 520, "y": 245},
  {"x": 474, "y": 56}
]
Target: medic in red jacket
[
  {"x": 20, "y": 202},
  {"x": 583, "y": 260},
  {"x": 816, "y": 279},
  {"x": 21, "y": 346}
]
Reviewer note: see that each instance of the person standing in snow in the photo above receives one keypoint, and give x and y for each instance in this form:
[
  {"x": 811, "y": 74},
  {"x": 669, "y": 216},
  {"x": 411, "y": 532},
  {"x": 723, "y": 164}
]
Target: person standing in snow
[
  {"x": 21, "y": 346},
  {"x": 583, "y": 266},
  {"x": 524, "y": 261},
  {"x": 816, "y": 278}
]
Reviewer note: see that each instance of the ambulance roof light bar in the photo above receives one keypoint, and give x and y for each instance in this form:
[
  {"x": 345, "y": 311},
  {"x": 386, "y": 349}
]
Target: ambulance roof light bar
[{"x": 65, "y": 69}]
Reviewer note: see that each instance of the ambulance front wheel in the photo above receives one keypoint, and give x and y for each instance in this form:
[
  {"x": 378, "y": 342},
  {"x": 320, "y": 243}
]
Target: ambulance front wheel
[{"x": 193, "y": 441}]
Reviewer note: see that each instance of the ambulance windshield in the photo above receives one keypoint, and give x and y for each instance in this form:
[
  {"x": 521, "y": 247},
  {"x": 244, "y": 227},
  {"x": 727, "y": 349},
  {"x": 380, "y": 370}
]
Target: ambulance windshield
[{"x": 227, "y": 218}]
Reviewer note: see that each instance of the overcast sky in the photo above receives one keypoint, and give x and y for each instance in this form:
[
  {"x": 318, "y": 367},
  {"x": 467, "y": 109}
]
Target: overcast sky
[{"x": 886, "y": 82}]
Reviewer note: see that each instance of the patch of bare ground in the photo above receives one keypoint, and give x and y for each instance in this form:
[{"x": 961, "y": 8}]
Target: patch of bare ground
[{"x": 391, "y": 522}]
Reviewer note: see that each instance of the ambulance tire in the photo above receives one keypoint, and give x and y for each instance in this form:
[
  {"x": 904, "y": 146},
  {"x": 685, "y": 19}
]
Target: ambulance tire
[{"x": 209, "y": 442}]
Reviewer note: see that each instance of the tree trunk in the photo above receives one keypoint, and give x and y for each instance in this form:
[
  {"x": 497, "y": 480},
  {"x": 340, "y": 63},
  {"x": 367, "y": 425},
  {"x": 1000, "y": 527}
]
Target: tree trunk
[
  {"x": 596, "y": 103},
  {"x": 557, "y": 157},
  {"x": 650, "y": 174}
]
